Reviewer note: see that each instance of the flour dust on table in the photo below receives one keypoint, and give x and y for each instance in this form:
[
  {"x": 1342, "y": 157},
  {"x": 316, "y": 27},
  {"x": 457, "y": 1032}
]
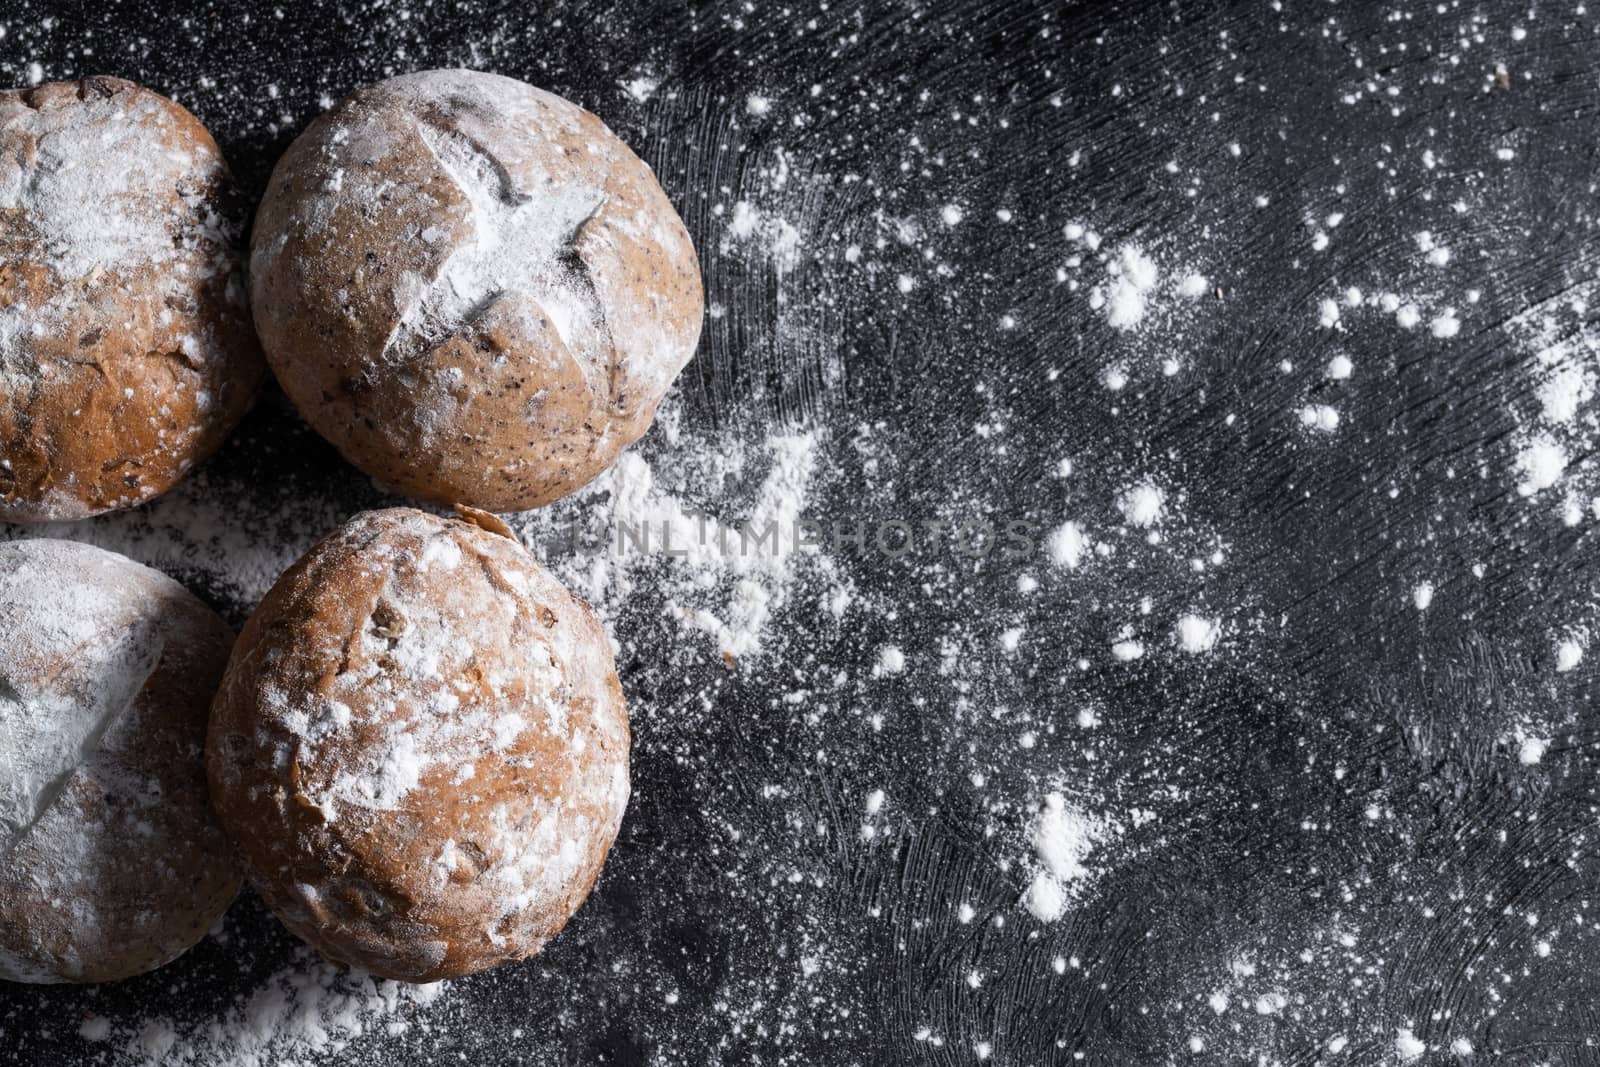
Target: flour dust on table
[{"x": 1192, "y": 655}]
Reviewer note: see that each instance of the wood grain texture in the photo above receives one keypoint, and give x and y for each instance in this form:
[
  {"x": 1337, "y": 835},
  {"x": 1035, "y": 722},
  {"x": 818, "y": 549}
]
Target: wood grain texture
[{"x": 1338, "y": 814}]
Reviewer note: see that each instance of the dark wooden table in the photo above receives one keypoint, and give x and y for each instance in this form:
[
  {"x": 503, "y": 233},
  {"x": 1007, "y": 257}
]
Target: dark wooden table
[{"x": 1360, "y": 827}]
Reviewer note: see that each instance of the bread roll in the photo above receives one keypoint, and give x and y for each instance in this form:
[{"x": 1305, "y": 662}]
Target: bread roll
[
  {"x": 111, "y": 863},
  {"x": 126, "y": 353},
  {"x": 421, "y": 747},
  {"x": 472, "y": 288}
]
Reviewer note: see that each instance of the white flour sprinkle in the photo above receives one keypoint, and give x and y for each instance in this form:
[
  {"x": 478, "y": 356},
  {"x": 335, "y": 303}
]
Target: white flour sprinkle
[
  {"x": 745, "y": 219},
  {"x": 309, "y": 1009},
  {"x": 1436, "y": 254},
  {"x": 1197, "y": 634},
  {"x": 1563, "y": 351},
  {"x": 1407, "y": 1046},
  {"x": 1143, "y": 296},
  {"x": 1142, "y": 505},
  {"x": 1445, "y": 325},
  {"x": 1564, "y": 392},
  {"x": 1422, "y": 596},
  {"x": 640, "y": 88},
  {"x": 720, "y": 580},
  {"x": 90, "y": 186},
  {"x": 1066, "y": 545},
  {"x": 1320, "y": 417},
  {"x": 1270, "y": 1003},
  {"x": 1046, "y": 898},
  {"x": 507, "y": 248},
  {"x": 1062, "y": 838},
  {"x": 1132, "y": 276},
  {"x": 1541, "y": 462}
]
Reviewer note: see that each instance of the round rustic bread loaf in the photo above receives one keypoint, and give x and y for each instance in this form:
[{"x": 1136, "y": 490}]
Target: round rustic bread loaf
[
  {"x": 111, "y": 862},
  {"x": 126, "y": 353},
  {"x": 472, "y": 288},
  {"x": 421, "y": 747}
]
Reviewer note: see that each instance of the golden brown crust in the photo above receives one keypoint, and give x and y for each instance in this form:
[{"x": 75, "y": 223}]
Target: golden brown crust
[
  {"x": 111, "y": 862},
  {"x": 126, "y": 353},
  {"x": 420, "y": 747},
  {"x": 472, "y": 288}
]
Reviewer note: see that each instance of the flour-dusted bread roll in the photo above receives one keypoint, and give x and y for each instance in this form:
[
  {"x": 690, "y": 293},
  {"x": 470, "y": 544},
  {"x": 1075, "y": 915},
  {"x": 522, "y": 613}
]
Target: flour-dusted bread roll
[
  {"x": 421, "y": 747},
  {"x": 126, "y": 353},
  {"x": 472, "y": 288},
  {"x": 111, "y": 862}
]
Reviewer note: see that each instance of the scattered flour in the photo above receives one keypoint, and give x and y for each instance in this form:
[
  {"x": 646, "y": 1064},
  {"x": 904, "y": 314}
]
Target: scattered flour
[
  {"x": 891, "y": 661},
  {"x": 1320, "y": 417},
  {"x": 1046, "y": 898},
  {"x": 1142, "y": 505},
  {"x": 1446, "y": 324},
  {"x": 1564, "y": 353},
  {"x": 1407, "y": 1046},
  {"x": 641, "y": 87},
  {"x": 1564, "y": 392},
  {"x": 1270, "y": 1003},
  {"x": 1062, "y": 838},
  {"x": 723, "y": 576},
  {"x": 1197, "y": 634},
  {"x": 1066, "y": 545},
  {"x": 95, "y": 1028},
  {"x": 309, "y": 1009},
  {"x": 1132, "y": 276},
  {"x": 1541, "y": 461}
]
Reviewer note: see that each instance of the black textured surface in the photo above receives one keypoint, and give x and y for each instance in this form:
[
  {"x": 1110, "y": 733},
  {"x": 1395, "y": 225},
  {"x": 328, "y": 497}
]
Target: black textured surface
[{"x": 1330, "y": 805}]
